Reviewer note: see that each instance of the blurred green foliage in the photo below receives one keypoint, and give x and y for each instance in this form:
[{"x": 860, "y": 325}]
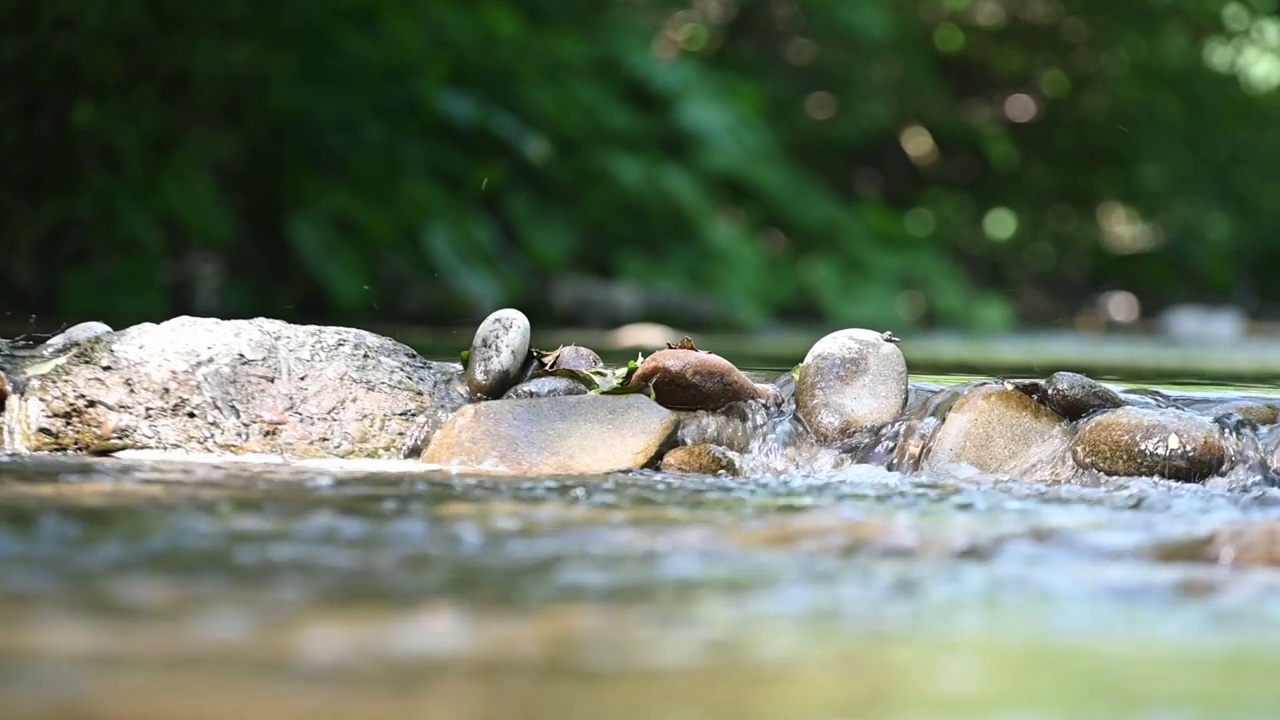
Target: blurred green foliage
[{"x": 957, "y": 162}]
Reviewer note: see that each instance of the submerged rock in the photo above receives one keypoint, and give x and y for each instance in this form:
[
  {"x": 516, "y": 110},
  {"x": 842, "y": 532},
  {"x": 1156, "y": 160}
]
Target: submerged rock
[
  {"x": 1254, "y": 544},
  {"x": 584, "y": 434},
  {"x": 1242, "y": 544},
  {"x": 229, "y": 386},
  {"x": 851, "y": 380},
  {"x": 1254, "y": 411},
  {"x": 684, "y": 379},
  {"x": 1172, "y": 444},
  {"x": 498, "y": 353},
  {"x": 1000, "y": 430},
  {"x": 1075, "y": 396},
  {"x": 546, "y": 386},
  {"x": 701, "y": 459}
]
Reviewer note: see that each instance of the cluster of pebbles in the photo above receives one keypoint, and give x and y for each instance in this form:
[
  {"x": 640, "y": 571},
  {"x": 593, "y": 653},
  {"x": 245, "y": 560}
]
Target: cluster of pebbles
[
  {"x": 262, "y": 386},
  {"x": 532, "y": 412}
]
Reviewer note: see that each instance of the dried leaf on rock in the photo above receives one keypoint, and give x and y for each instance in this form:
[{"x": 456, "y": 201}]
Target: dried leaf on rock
[{"x": 686, "y": 343}]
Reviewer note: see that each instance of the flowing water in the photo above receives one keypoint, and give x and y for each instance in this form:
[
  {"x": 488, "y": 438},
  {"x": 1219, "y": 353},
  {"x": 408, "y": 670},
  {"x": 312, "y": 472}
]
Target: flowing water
[{"x": 814, "y": 588}]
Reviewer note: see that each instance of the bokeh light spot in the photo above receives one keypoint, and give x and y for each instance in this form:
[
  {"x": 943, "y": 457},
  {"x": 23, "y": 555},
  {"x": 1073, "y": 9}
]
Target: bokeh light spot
[
  {"x": 1020, "y": 108},
  {"x": 918, "y": 144},
  {"x": 1055, "y": 83},
  {"x": 801, "y": 51},
  {"x": 948, "y": 38},
  {"x": 1000, "y": 224},
  {"x": 1120, "y": 306},
  {"x": 919, "y": 222},
  {"x": 821, "y": 105},
  {"x": 693, "y": 36}
]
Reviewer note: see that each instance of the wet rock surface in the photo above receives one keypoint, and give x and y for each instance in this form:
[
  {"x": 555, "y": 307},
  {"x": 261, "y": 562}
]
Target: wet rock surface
[
  {"x": 546, "y": 386},
  {"x": 1001, "y": 430},
  {"x": 572, "y": 435},
  {"x": 850, "y": 381},
  {"x": 1172, "y": 444},
  {"x": 1074, "y": 396},
  {"x": 703, "y": 459},
  {"x": 254, "y": 389},
  {"x": 684, "y": 379},
  {"x": 229, "y": 386},
  {"x": 498, "y": 352}
]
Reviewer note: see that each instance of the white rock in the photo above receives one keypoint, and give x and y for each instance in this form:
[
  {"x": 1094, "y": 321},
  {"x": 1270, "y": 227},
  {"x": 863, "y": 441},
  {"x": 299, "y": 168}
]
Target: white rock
[
  {"x": 499, "y": 349},
  {"x": 851, "y": 380},
  {"x": 75, "y": 335}
]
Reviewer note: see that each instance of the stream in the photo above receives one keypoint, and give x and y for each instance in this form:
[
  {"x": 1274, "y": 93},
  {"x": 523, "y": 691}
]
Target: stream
[{"x": 164, "y": 589}]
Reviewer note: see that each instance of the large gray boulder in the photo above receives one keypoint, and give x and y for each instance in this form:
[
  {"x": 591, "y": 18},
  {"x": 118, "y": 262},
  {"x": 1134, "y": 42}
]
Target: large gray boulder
[{"x": 229, "y": 386}]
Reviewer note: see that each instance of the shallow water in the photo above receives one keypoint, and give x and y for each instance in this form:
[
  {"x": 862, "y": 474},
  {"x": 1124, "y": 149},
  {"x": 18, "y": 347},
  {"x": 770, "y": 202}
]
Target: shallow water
[{"x": 133, "y": 589}]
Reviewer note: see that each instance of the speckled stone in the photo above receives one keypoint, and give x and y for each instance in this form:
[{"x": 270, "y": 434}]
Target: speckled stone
[
  {"x": 498, "y": 352},
  {"x": 702, "y": 459},
  {"x": 850, "y": 380},
  {"x": 1171, "y": 444},
  {"x": 999, "y": 430}
]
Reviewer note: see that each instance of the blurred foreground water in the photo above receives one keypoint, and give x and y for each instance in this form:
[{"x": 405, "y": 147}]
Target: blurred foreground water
[{"x": 133, "y": 589}]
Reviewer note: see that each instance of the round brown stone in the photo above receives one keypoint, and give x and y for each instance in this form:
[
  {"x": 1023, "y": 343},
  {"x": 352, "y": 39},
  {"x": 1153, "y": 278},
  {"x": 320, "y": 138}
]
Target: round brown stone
[
  {"x": 1143, "y": 442},
  {"x": 702, "y": 459},
  {"x": 694, "y": 380}
]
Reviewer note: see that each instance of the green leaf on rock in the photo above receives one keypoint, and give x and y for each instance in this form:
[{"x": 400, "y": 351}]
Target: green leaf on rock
[{"x": 464, "y": 356}]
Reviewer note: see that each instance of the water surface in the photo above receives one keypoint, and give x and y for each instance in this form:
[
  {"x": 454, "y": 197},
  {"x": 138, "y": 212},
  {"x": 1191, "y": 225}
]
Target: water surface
[{"x": 133, "y": 589}]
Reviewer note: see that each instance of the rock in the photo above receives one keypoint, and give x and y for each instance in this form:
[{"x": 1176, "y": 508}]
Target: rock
[
  {"x": 1257, "y": 412},
  {"x": 1074, "y": 396},
  {"x": 1250, "y": 544},
  {"x": 696, "y": 380},
  {"x": 1143, "y": 442},
  {"x": 546, "y": 386},
  {"x": 498, "y": 353},
  {"x": 851, "y": 380},
  {"x": 700, "y": 459},
  {"x": 1241, "y": 544},
  {"x": 584, "y": 434},
  {"x": 229, "y": 386},
  {"x": 1000, "y": 430},
  {"x": 75, "y": 335},
  {"x": 572, "y": 357}
]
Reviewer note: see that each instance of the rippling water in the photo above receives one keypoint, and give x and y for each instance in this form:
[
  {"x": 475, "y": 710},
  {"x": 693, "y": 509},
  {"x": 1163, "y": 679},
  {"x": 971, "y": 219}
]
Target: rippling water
[{"x": 134, "y": 589}]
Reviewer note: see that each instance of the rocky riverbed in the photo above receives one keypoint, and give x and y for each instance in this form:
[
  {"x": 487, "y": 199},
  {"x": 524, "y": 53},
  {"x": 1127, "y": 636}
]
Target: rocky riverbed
[
  {"x": 204, "y": 518},
  {"x": 205, "y": 386}
]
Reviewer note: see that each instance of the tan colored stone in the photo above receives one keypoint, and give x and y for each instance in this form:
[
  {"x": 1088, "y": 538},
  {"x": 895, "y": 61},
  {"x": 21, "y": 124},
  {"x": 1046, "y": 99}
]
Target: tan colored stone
[
  {"x": 701, "y": 459},
  {"x": 571, "y": 435},
  {"x": 999, "y": 430},
  {"x": 851, "y": 380}
]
